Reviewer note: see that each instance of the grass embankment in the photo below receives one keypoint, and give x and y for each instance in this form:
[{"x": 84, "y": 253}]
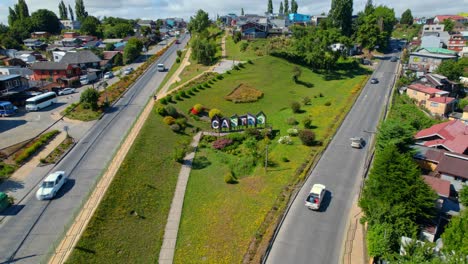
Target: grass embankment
[
  {"x": 219, "y": 221},
  {"x": 254, "y": 49},
  {"x": 192, "y": 70},
  {"x": 129, "y": 224},
  {"x": 406, "y": 32},
  {"x": 174, "y": 68}
]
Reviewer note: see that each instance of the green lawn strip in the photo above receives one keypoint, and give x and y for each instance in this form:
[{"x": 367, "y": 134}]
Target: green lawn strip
[
  {"x": 6, "y": 170},
  {"x": 254, "y": 49},
  {"x": 192, "y": 70},
  {"x": 77, "y": 112},
  {"x": 129, "y": 224},
  {"x": 173, "y": 69},
  {"x": 220, "y": 220}
]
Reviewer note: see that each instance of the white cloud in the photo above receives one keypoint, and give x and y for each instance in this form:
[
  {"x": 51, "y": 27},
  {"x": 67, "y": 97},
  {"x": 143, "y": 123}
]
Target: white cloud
[{"x": 153, "y": 9}]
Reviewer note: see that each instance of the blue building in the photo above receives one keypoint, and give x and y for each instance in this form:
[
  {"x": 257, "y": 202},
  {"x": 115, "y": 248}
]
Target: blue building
[{"x": 299, "y": 18}]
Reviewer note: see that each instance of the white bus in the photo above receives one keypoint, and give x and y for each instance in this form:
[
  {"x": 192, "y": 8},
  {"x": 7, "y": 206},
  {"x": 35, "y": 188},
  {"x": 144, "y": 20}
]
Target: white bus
[{"x": 40, "y": 101}]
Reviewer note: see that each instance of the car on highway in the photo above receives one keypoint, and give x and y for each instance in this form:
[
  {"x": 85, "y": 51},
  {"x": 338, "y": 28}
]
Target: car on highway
[
  {"x": 315, "y": 197},
  {"x": 357, "y": 142},
  {"x": 66, "y": 91},
  {"x": 161, "y": 67},
  {"x": 177, "y": 42},
  {"x": 108, "y": 75},
  {"x": 394, "y": 59},
  {"x": 51, "y": 185},
  {"x": 374, "y": 80},
  {"x": 127, "y": 71}
]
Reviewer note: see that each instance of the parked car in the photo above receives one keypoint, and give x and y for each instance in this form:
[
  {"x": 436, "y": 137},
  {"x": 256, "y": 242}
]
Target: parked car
[
  {"x": 65, "y": 91},
  {"x": 374, "y": 80},
  {"x": 127, "y": 71},
  {"x": 357, "y": 142},
  {"x": 51, "y": 185},
  {"x": 108, "y": 75},
  {"x": 393, "y": 59},
  {"x": 315, "y": 197},
  {"x": 177, "y": 42}
]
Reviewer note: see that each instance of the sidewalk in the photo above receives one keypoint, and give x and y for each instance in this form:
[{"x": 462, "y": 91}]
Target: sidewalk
[
  {"x": 175, "y": 77},
  {"x": 355, "y": 246}
]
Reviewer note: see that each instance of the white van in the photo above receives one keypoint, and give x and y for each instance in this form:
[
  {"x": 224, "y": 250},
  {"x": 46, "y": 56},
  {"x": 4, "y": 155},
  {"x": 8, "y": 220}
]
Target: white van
[{"x": 161, "y": 67}]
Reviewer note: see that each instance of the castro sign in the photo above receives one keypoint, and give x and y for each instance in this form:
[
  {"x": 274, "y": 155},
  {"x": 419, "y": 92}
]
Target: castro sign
[{"x": 236, "y": 122}]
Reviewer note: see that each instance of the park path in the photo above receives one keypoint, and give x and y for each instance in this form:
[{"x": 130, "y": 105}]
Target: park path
[{"x": 176, "y": 76}]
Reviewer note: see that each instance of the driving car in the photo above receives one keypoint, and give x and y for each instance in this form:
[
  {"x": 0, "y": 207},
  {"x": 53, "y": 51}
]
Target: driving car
[
  {"x": 51, "y": 185},
  {"x": 357, "y": 142},
  {"x": 374, "y": 80},
  {"x": 315, "y": 197},
  {"x": 108, "y": 75},
  {"x": 393, "y": 59},
  {"x": 66, "y": 91},
  {"x": 127, "y": 71}
]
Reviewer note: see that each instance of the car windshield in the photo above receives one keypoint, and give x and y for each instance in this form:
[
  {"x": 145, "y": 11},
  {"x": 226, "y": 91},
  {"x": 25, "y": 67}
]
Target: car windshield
[
  {"x": 313, "y": 198},
  {"x": 48, "y": 184}
]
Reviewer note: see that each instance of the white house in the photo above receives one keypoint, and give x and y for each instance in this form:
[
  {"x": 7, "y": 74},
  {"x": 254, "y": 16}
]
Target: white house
[
  {"x": 70, "y": 24},
  {"x": 58, "y": 55}
]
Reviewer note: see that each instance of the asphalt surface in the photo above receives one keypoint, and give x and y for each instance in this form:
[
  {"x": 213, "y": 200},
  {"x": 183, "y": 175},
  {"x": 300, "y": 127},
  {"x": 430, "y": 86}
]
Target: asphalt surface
[
  {"x": 31, "y": 228},
  {"x": 313, "y": 237}
]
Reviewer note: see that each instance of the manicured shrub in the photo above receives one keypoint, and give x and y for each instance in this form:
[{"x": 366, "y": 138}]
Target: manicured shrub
[
  {"x": 177, "y": 97},
  {"x": 228, "y": 72},
  {"x": 285, "y": 140},
  {"x": 321, "y": 95},
  {"x": 198, "y": 107},
  {"x": 307, "y": 137},
  {"x": 176, "y": 128},
  {"x": 243, "y": 46},
  {"x": 171, "y": 111},
  {"x": 284, "y": 159},
  {"x": 169, "y": 98},
  {"x": 190, "y": 92},
  {"x": 184, "y": 94},
  {"x": 179, "y": 53},
  {"x": 328, "y": 103},
  {"x": 230, "y": 178},
  {"x": 296, "y": 107},
  {"x": 169, "y": 120},
  {"x": 35, "y": 146},
  {"x": 182, "y": 122},
  {"x": 306, "y": 100},
  {"x": 177, "y": 60},
  {"x": 307, "y": 122},
  {"x": 206, "y": 85},
  {"x": 221, "y": 143},
  {"x": 219, "y": 77},
  {"x": 236, "y": 67},
  {"x": 160, "y": 110},
  {"x": 249, "y": 61},
  {"x": 292, "y": 121},
  {"x": 194, "y": 90},
  {"x": 293, "y": 132},
  {"x": 179, "y": 153},
  {"x": 214, "y": 112},
  {"x": 163, "y": 101}
]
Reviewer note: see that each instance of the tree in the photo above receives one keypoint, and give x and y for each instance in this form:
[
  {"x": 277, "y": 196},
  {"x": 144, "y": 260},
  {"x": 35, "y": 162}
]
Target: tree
[
  {"x": 297, "y": 72},
  {"x": 295, "y": 107},
  {"x": 89, "y": 99},
  {"x": 132, "y": 50},
  {"x": 294, "y": 6},
  {"x": 118, "y": 59},
  {"x": 281, "y": 9},
  {"x": 379, "y": 239},
  {"x": 8, "y": 42},
  {"x": 91, "y": 26},
  {"x": 450, "y": 69},
  {"x": 448, "y": 24},
  {"x": 341, "y": 15},
  {"x": 368, "y": 33},
  {"x": 12, "y": 17},
  {"x": 286, "y": 7},
  {"x": 270, "y": 7},
  {"x": 369, "y": 8},
  {"x": 386, "y": 22},
  {"x": 80, "y": 11},
  {"x": 63, "y": 12},
  {"x": 242, "y": 11},
  {"x": 455, "y": 237},
  {"x": 463, "y": 194},
  {"x": 203, "y": 50},
  {"x": 395, "y": 133},
  {"x": 110, "y": 47},
  {"x": 199, "y": 23},
  {"x": 45, "y": 20},
  {"x": 70, "y": 10},
  {"x": 21, "y": 9},
  {"x": 120, "y": 30},
  {"x": 407, "y": 18}
]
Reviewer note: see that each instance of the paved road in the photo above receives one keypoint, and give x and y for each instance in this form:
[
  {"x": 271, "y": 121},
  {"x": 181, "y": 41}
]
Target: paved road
[
  {"x": 316, "y": 237},
  {"x": 27, "y": 235}
]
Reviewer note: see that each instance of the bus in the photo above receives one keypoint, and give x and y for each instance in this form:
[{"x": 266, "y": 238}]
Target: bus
[
  {"x": 7, "y": 108},
  {"x": 40, "y": 101}
]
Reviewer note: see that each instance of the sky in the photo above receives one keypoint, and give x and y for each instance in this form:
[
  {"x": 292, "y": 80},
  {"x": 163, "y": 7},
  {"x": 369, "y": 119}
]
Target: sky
[{"x": 153, "y": 9}]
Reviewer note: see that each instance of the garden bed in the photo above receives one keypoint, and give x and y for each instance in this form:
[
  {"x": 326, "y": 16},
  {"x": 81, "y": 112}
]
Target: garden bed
[
  {"x": 34, "y": 147},
  {"x": 59, "y": 151}
]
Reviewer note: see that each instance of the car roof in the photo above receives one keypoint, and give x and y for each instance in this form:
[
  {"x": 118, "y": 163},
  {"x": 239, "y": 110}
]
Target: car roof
[
  {"x": 53, "y": 176},
  {"x": 317, "y": 188}
]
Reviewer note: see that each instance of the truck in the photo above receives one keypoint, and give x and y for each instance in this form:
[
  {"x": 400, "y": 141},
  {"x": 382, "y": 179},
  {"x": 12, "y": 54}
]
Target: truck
[{"x": 90, "y": 77}]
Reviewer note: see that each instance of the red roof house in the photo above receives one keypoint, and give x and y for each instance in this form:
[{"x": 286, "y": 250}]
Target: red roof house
[
  {"x": 440, "y": 186},
  {"x": 451, "y": 136},
  {"x": 441, "y": 18}
]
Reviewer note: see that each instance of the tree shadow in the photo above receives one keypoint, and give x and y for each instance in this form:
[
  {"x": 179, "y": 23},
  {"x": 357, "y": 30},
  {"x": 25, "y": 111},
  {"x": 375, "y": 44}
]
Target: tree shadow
[
  {"x": 12, "y": 210},
  {"x": 306, "y": 84},
  {"x": 85, "y": 250},
  {"x": 9, "y": 185},
  {"x": 201, "y": 162}
]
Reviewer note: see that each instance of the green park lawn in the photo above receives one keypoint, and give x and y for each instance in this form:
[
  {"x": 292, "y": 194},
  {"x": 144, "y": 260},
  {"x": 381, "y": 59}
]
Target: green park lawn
[
  {"x": 255, "y": 49},
  {"x": 129, "y": 224},
  {"x": 192, "y": 70},
  {"x": 220, "y": 220}
]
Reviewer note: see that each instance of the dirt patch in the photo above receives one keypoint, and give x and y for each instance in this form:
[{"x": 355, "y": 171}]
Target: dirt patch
[{"x": 244, "y": 93}]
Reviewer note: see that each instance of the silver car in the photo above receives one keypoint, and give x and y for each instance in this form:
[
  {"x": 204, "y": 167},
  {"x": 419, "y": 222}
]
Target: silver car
[{"x": 51, "y": 185}]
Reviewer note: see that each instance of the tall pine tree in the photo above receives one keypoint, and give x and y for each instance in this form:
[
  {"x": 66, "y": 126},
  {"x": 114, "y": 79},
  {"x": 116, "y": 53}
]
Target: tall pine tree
[
  {"x": 70, "y": 10},
  {"x": 341, "y": 15},
  {"x": 406, "y": 18},
  {"x": 242, "y": 11},
  {"x": 22, "y": 9},
  {"x": 270, "y": 7},
  {"x": 281, "y": 9},
  {"x": 286, "y": 7},
  {"x": 63, "y": 12},
  {"x": 80, "y": 11},
  {"x": 12, "y": 17},
  {"x": 294, "y": 6}
]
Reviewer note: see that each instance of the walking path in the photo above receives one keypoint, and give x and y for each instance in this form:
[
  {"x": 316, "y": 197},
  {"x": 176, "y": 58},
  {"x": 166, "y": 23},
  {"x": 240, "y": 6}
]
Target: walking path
[
  {"x": 355, "y": 246},
  {"x": 175, "y": 77}
]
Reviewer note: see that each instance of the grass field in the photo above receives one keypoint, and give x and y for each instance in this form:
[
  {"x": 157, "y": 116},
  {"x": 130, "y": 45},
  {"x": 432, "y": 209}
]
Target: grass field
[
  {"x": 189, "y": 72},
  {"x": 219, "y": 221},
  {"x": 406, "y": 32},
  {"x": 129, "y": 224},
  {"x": 255, "y": 49}
]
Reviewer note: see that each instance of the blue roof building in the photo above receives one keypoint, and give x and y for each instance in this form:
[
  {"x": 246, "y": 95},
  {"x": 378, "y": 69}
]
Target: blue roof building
[{"x": 299, "y": 18}]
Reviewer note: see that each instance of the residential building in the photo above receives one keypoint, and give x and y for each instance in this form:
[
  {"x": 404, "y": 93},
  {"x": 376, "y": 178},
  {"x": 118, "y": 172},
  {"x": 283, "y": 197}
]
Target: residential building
[
  {"x": 33, "y": 43},
  {"x": 440, "y": 82},
  {"x": 14, "y": 62},
  {"x": 147, "y": 23},
  {"x": 459, "y": 27},
  {"x": 70, "y": 42},
  {"x": 252, "y": 30},
  {"x": 15, "y": 70},
  {"x": 105, "y": 41},
  {"x": 431, "y": 40},
  {"x": 86, "y": 39},
  {"x": 109, "y": 58},
  {"x": 70, "y": 24},
  {"x": 452, "y": 167},
  {"x": 59, "y": 72},
  {"x": 463, "y": 116},
  {"x": 433, "y": 28},
  {"x": 40, "y": 34},
  {"x": 434, "y": 100},
  {"x": 450, "y": 136},
  {"x": 296, "y": 18},
  {"x": 428, "y": 59},
  {"x": 440, "y": 19},
  {"x": 456, "y": 43},
  {"x": 82, "y": 59},
  {"x": 316, "y": 19},
  {"x": 441, "y": 106},
  {"x": 420, "y": 20},
  {"x": 12, "y": 82},
  {"x": 58, "y": 55}
]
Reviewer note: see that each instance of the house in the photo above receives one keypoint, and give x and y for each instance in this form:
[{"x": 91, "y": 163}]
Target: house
[
  {"x": 428, "y": 59},
  {"x": 12, "y": 70},
  {"x": 147, "y": 23},
  {"x": 105, "y": 41},
  {"x": 296, "y": 18},
  {"x": 452, "y": 167},
  {"x": 450, "y": 136},
  {"x": 70, "y": 34},
  {"x": 70, "y": 24},
  {"x": 433, "y": 28},
  {"x": 60, "y": 72},
  {"x": 40, "y": 34},
  {"x": 82, "y": 59},
  {"x": 227, "y": 19},
  {"x": 33, "y": 43},
  {"x": 431, "y": 40},
  {"x": 420, "y": 20},
  {"x": 439, "y": 82},
  {"x": 316, "y": 19},
  {"x": 69, "y": 42},
  {"x": 86, "y": 39},
  {"x": 13, "y": 62},
  {"x": 459, "y": 27},
  {"x": 93, "y": 44},
  {"x": 440, "y": 19},
  {"x": 435, "y": 100},
  {"x": 456, "y": 43},
  {"x": 12, "y": 82},
  {"x": 58, "y": 55},
  {"x": 252, "y": 30},
  {"x": 109, "y": 59}
]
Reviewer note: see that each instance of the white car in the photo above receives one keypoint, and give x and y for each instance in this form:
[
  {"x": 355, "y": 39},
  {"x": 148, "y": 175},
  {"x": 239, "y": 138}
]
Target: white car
[
  {"x": 315, "y": 197},
  {"x": 66, "y": 91},
  {"x": 51, "y": 185},
  {"x": 108, "y": 75},
  {"x": 128, "y": 71}
]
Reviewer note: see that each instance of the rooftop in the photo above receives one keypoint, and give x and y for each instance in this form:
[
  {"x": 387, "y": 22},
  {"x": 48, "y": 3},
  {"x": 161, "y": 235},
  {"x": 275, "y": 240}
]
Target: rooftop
[
  {"x": 454, "y": 164},
  {"x": 442, "y": 100},
  {"x": 49, "y": 65},
  {"x": 441, "y": 187},
  {"x": 78, "y": 57},
  {"x": 424, "y": 89},
  {"x": 8, "y": 77},
  {"x": 451, "y": 135}
]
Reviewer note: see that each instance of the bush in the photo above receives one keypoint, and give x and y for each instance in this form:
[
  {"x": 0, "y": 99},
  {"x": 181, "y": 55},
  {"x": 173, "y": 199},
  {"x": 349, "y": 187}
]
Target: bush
[
  {"x": 228, "y": 72},
  {"x": 236, "y": 67},
  {"x": 171, "y": 111},
  {"x": 292, "y": 121},
  {"x": 177, "y": 60},
  {"x": 307, "y": 122},
  {"x": 198, "y": 107},
  {"x": 35, "y": 146},
  {"x": 307, "y": 137},
  {"x": 243, "y": 46},
  {"x": 249, "y": 62},
  {"x": 169, "y": 98},
  {"x": 169, "y": 120},
  {"x": 296, "y": 107},
  {"x": 206, "y": 85},
  {"x": 293, "y": 132},
  {"x": 219, "y": 77},
  {"x": 321, "y": 95},
  {"x": 163, "y": 101},
  {"x": 230, "y": 178},
  {"x": 175, "y": 127},
  {"x": 285, "y": 140},
  {"x": 328, "y": 103},
  {"x": 306, "y": 100},
  {"x": 221, "y": 143},
  {"x": 179, "y": 153},
  {"x": 89, "y": 99},
  {"x": 236, "y": 137},
  {"x": 214, "y": 112},
  {"x": 177, "y": 97},
  {"x": 179, "y": 53},
  {"x": 161, "y": 111},
  {"x": 182, "y": 122}
]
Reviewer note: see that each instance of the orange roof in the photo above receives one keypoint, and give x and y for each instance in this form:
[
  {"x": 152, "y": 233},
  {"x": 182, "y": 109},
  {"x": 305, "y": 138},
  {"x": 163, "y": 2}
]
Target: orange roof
[
  {"x": 453, "y": 17},
  {"x": 424, "y": 89},
  {"x": 442, "y": 100},
  {"x": 441, "y": 187},
  {"x": 452, "y": 135}
]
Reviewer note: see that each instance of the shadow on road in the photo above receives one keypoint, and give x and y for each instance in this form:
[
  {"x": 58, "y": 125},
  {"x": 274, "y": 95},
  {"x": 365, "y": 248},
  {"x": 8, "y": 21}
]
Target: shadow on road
[
  {"x": 11, "y": 185},
  {"x": 12, "y": 210},
  {"x": 10, "y": 124},
  {"x": 326, "y": 201},
  {"x": 65, "y": 188}
]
